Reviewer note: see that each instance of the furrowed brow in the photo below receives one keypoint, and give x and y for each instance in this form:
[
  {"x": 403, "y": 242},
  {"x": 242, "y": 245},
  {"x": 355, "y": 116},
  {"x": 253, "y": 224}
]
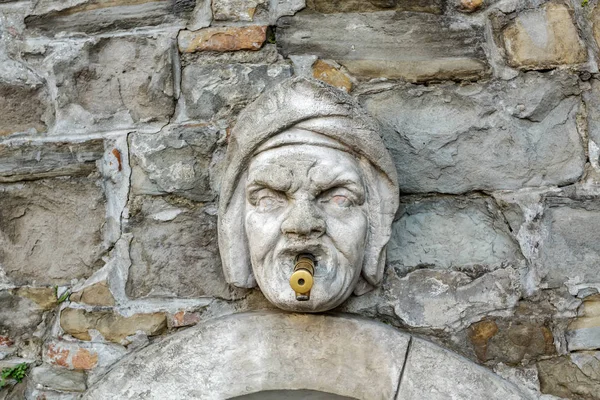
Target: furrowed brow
[{"x": 270, "y": 176}]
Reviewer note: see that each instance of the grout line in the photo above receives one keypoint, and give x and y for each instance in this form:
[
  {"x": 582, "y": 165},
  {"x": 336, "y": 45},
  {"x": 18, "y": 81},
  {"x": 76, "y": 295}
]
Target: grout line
[{"x": 408, "y": 348}]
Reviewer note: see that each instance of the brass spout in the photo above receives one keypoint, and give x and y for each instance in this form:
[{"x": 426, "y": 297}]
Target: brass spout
[{"x": 301, "y": 280}]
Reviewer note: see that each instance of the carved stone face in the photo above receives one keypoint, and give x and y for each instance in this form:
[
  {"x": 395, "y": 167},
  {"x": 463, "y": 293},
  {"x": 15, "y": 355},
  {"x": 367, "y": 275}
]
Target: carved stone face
[{"x": 306, "y": 198}]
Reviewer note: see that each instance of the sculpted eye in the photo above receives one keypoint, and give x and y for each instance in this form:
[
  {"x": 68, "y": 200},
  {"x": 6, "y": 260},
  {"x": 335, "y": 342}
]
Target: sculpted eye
[
  {"x": 267, "y": 200},
  {"x": 340, "y": 201},
  {"x": 338, "y": 198}
]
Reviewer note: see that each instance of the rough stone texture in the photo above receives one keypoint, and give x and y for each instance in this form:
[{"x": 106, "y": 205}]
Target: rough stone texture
[
  {"x": 431, "y": 46},
  {"x": 23, "y": 109},
  {"x": 112, "y": 326},
  {"x": 584, "y": 332},
  {"x": 222, "y": 39},
  {"x": 201, "y": 16},
  {"x": 59, "y": 378},
  {"x": 82, "y": 355},
  {"x": 331, "y": 74},
  {"x": 515, "y": 342},
  {"x": 442, "y": 375},
  {"x": 575, "y": 377},
  {"x": 454, "y": 139},
  {"x": 50, "y": 17},
  {"x": 97, "y": 294},
  {"x": 266, "y": 55},
  {"x": 114, "y": 83},
  {"x": 174, "y": 252},
  {"x": 35, "y": 160},
  {"x": 544, "y": 38},
  {"x": 447, "y": 233},
  {"x": 18, "y": 316},
  {"x": 348, "y": 6},
  {"x": 44, "y": 297},
  {"x": 451, "y": 300},
  {"x": 220, "y": 91},
  {"x": 235, "y": 10},
  {"x": 247, "y": 353},
  {"x": 177, "y": 160},
  {"x": 51, "y": 230},
  {"x": 570, "y": 253}
]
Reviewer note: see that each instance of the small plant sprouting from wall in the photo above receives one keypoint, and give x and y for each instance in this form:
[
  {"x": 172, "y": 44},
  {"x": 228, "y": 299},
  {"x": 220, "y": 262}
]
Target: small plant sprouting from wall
[{"x": 17, "y": 373}]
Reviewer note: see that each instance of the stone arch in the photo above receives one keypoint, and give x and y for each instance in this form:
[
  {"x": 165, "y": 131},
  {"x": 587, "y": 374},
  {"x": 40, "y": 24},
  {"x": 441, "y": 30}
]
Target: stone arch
[{"x": 341, "y": 355}]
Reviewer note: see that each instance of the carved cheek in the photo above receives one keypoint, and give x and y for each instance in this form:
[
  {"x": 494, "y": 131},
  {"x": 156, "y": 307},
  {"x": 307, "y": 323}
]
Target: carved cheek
[{"x": 263, "y": 231}]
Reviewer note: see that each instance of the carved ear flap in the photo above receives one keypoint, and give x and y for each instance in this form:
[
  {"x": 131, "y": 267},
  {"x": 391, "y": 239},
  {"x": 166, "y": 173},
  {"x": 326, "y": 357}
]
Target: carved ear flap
[
  {"x": 233, "y": 243},
  {"x": 383, "y": 200}
]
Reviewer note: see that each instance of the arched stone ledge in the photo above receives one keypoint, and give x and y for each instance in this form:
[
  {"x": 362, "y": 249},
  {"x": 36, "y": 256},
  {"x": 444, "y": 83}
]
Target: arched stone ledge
[{"x": 342, "y": 355}]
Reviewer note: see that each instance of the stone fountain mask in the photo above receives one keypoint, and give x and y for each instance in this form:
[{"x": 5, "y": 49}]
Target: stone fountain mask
[{"x": 306, "y": 173}]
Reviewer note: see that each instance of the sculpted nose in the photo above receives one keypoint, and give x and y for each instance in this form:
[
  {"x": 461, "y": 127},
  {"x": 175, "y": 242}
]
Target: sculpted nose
[{"x": 303, "y": 220}]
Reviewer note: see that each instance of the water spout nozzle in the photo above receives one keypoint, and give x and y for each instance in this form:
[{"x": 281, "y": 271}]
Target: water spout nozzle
[{"x": 301, "y": 280}]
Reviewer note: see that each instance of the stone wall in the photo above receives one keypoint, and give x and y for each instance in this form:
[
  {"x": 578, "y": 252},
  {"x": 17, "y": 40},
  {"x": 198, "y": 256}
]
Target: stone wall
[{"x": 114, "y": 119}]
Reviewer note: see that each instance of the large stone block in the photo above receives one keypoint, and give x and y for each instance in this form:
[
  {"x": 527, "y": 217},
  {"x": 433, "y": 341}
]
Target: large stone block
[
  {"x": 113, "y": 327},
  {"x": 466, "y": 235},
  {"x": 575, "y": 377},
  {"x": 35, "y": 160},
  {"x": 222, "y": 39},
  {"x": 50, "y": 17},
  {"x": 218, "y": 91},
  {"x": 174, "y": 251},
  {"x": 499, "y": 135},
  {"x": 441, "y": 375},
  {"x": 347, "y": 6},
  {"x": 176, "y": 160},
  {"x": 412, "y": 46},
  {"x": 543, "y": 38},
  {"x": 570, "y": 252},
  {"x": 114, "y": 83},
  {"x": 51, "y": 230},
  {"x": 450, "y": 300}
]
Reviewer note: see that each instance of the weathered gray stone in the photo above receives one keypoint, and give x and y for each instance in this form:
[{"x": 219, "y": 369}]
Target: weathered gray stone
[
  {"x": 176, "y": 160},
  {"x": 500, "y": 135},
  {"x": 50, "y": 17},
  {"x": 592, "y": 99},
  {"x": 266, "y": 55},
  {"x": 51, "y": 230},
  {"x": 570, "y": 252},
  {"x": 543, "y": 38},
  {"x": 255, "y": 10},
  {"x": 174, "y": 251},
  {"x": 235, "y": 10},
  {"x": 24, "y": 98},
  {"x": 451, "y": 233},
  {"x": 59, "y": 378},
  {"x": 216, "y": 91},
  {"x": 450, "y": 300},
  {"x": 114, "y": 83},
  {"x": 438, "y": 374},
  {"x": 584, "y": 332},
  {"x": 412, "y": 46},
  {"x": 576, "y": 377},
  {"x": 248, "y": 353},
  {"x": 346, "y": 6},
  {"x": 18, "y": 315},
  {"x": 201, "y": 16},
  {"x": 35, "y": 160}
]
